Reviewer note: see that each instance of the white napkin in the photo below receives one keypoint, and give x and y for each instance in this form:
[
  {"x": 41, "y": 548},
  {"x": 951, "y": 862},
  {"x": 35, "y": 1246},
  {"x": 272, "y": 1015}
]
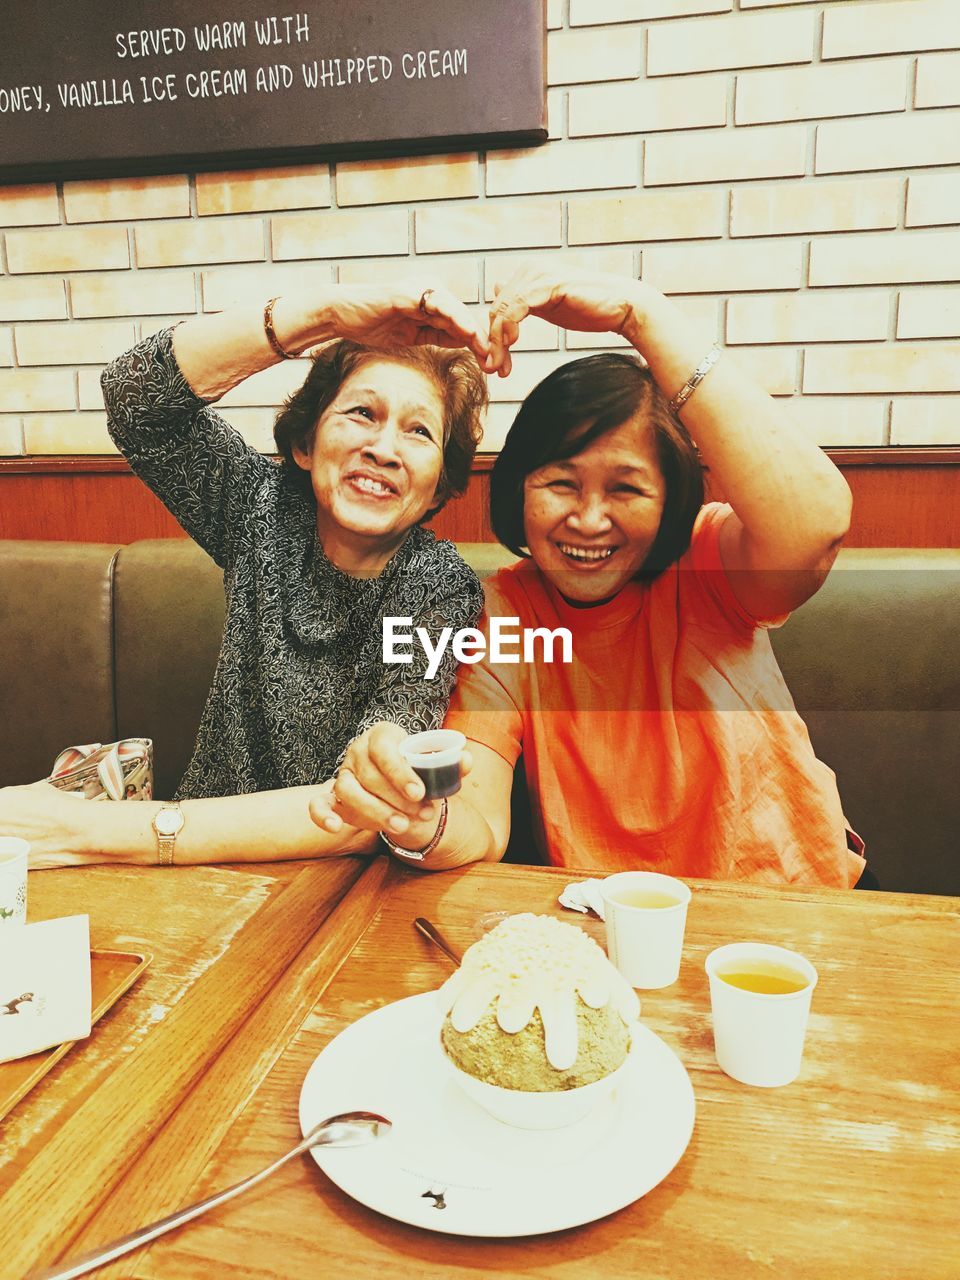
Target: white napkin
[
  {"x": 44, "y": 985},
  {"x": 583, "y": 896}
]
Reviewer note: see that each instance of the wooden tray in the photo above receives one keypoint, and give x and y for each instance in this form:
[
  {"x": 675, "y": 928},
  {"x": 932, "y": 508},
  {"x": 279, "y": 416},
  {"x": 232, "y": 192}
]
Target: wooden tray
[{"x": 111, "y": 974}]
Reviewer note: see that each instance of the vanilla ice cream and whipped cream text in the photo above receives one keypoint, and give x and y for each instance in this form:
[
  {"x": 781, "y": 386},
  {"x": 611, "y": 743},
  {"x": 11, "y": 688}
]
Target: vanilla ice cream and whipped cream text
[{"x": 536, "y": 1005}]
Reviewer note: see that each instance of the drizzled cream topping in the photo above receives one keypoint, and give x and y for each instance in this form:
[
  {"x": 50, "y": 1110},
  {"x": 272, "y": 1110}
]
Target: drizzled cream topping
[{"x": 532, "y": 963}]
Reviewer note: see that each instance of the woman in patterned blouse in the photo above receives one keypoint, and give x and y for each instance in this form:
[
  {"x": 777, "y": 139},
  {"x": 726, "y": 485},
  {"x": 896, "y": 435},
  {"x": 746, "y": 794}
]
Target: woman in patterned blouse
[{"x": 315, "y": 553}]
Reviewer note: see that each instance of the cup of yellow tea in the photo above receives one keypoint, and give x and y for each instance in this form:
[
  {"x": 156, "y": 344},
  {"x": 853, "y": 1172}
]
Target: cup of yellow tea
[
  {"x": 645, "y": 914},
  {"x": 760, "y": 998}
]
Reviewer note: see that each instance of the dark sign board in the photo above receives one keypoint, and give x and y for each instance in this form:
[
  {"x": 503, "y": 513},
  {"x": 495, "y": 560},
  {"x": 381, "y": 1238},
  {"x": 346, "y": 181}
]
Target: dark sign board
[{"x": 97, "y": 88}]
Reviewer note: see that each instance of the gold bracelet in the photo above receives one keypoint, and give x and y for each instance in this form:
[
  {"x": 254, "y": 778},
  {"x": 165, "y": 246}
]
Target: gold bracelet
[
  {"x": 418, "y": 855},
  {"x": 272, "y": 338},
  {"x": 698, "y": 375}
]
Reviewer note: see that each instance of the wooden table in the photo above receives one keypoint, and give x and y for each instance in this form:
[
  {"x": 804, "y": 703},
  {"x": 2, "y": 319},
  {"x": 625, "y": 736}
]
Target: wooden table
[
  {"x": 220, "y": 937},
  {"x": 851, "y": 1172}
]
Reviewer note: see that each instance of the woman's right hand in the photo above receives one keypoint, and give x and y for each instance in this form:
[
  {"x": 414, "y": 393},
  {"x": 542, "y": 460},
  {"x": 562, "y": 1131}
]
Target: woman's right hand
[
  {"x": 376, "y": 790},
  {"x": 408, "y": 314}
]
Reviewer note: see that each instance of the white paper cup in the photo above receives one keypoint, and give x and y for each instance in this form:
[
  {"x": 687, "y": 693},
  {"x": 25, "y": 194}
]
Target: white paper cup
[
  {"x": 435, "y": 758},
  {"x": 758, "y": 1037},
  {"x": 13, "y": 880},
  {"x": 645, "y": 943}
]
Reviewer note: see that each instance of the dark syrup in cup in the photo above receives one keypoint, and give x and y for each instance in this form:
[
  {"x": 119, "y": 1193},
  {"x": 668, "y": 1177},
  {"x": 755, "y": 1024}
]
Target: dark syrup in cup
[
  {"x": 435, "y": 758},
  {"x": 439, "y": 780}
]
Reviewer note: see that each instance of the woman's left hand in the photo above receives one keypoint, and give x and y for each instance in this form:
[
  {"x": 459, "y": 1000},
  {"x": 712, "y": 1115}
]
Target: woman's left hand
[
  {"x": 590, "y": 303},
  {"x": 50, "y": 820}
]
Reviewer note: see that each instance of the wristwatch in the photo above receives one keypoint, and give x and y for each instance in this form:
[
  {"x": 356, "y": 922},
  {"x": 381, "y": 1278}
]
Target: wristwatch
[{"x": 167, "y": 823}]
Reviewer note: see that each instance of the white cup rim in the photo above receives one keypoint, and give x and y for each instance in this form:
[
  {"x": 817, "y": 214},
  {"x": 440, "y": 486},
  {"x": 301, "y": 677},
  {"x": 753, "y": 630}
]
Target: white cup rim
[
  {"x": 651, "y": 880},
  {"x": 761, "y": 951},
  {"x": 433, "y": 748}
]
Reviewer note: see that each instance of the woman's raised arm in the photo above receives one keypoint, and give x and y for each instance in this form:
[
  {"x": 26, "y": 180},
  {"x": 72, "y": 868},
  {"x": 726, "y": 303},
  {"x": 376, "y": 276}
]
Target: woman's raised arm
[
  {"x": 791, "y": 505},
  {"x": 216, "y": 352}
]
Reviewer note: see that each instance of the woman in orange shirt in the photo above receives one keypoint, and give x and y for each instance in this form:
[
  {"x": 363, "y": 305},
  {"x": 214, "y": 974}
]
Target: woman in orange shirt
[{"x": 670, "y": 741}]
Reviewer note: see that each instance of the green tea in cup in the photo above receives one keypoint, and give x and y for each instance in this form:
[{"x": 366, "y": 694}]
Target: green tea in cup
[
  {"x": 764, "y": 978},
  {"x": 645, "y": 913},
  {"x": 760, "y": 1002},
  {"x": 645, "y": 899}
]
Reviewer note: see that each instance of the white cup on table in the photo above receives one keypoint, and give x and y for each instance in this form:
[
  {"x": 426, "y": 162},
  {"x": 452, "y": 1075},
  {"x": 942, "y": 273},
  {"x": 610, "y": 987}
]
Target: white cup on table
[
  {"x": 760, "y": 998},
  {"x": 645, "y": 916},
  {"x": 14, "y": 853}
]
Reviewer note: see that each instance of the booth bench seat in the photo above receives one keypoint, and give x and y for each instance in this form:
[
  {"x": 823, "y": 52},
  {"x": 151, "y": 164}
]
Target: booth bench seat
[{"x": 101, "y": 642}]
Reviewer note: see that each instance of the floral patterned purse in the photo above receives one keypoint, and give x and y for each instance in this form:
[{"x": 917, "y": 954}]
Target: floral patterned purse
[{"x": 111, "y": 771}]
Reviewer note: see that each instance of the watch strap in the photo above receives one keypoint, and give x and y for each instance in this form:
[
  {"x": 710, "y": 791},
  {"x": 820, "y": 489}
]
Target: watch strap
[{"x": 166, "y": 842}]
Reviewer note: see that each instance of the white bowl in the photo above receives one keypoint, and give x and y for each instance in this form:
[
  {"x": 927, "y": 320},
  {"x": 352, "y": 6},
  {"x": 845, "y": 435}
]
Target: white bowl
[{"x": 523, "y": 1109}]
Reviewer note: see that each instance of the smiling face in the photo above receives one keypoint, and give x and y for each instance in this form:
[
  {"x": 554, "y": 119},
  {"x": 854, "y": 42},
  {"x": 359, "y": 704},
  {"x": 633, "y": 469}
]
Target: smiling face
[
  {"x": 591, "y": 520},
  {"x": 375, "y": 462}
]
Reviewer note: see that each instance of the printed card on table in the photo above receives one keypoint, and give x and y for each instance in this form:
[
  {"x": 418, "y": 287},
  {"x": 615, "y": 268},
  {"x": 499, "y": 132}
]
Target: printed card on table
[{"x": 44, "y": 985}]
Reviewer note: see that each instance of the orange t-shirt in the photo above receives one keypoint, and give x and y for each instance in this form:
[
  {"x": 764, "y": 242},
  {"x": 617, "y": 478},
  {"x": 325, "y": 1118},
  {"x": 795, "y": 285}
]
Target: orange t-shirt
[{"x": 670, "y": 742}]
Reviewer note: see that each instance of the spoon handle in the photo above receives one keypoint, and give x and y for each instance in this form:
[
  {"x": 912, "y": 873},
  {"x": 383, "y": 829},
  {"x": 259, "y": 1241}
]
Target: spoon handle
[
  {"x": 431, "y": 932},
  {"x": 125, "y": 1244}
]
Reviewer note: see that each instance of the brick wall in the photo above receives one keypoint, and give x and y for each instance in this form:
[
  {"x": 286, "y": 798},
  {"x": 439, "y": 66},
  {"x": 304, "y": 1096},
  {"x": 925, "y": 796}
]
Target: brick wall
[{"x": 789, "y": 170}]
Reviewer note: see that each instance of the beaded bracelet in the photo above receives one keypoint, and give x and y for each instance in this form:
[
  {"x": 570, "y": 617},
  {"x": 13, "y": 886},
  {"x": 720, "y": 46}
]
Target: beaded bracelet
[{"x": 272, "y": 338}]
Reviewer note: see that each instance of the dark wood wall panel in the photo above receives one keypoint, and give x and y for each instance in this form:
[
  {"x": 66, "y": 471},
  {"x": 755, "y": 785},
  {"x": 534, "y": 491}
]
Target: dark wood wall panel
[
  {"x": 905, "y": 506},
  {"x": 73, "y": 506},
  {"x": 914, "y": 502}
]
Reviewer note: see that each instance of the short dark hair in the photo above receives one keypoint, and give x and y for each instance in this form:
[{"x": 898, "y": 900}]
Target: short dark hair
[
  {"x": 565, "y": 413},
  {"x": 458, "y": 378}
]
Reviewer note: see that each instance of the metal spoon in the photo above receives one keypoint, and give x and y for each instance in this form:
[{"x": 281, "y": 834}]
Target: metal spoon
[
  {"x": 351, "y": 1129},
  {"x": 431, "y": 932}
]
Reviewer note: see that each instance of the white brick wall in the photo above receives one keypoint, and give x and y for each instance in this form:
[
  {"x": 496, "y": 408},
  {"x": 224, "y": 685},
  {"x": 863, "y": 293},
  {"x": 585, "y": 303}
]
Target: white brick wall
[
  {"x": 734, "y": 40},
  {"x": 690, "y": 102},
  {"x": 788, "y": 169}
]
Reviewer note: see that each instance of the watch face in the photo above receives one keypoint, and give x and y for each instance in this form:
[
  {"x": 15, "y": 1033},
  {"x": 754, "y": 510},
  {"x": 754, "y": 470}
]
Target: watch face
[{"x": 168, "y": 822}]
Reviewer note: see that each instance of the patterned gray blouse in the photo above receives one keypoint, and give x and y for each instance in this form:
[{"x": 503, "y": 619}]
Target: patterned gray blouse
[{"x": 300, "y": 671}]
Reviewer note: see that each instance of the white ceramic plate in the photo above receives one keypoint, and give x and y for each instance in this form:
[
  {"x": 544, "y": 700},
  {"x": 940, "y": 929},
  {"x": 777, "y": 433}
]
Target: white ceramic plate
[{"x": 448, "y": 1166}]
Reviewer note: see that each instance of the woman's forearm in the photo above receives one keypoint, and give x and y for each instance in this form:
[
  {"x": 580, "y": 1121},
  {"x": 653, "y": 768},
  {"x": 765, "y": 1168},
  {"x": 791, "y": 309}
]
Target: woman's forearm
[
  {"x": 266, "y": 826},
  {"x": 216, "y": 352},
  {"x": 789, "y": 496}
]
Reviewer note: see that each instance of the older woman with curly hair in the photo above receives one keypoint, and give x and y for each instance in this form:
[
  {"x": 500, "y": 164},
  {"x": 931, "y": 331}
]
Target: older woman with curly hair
[{"x": 315, "y": 552}]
